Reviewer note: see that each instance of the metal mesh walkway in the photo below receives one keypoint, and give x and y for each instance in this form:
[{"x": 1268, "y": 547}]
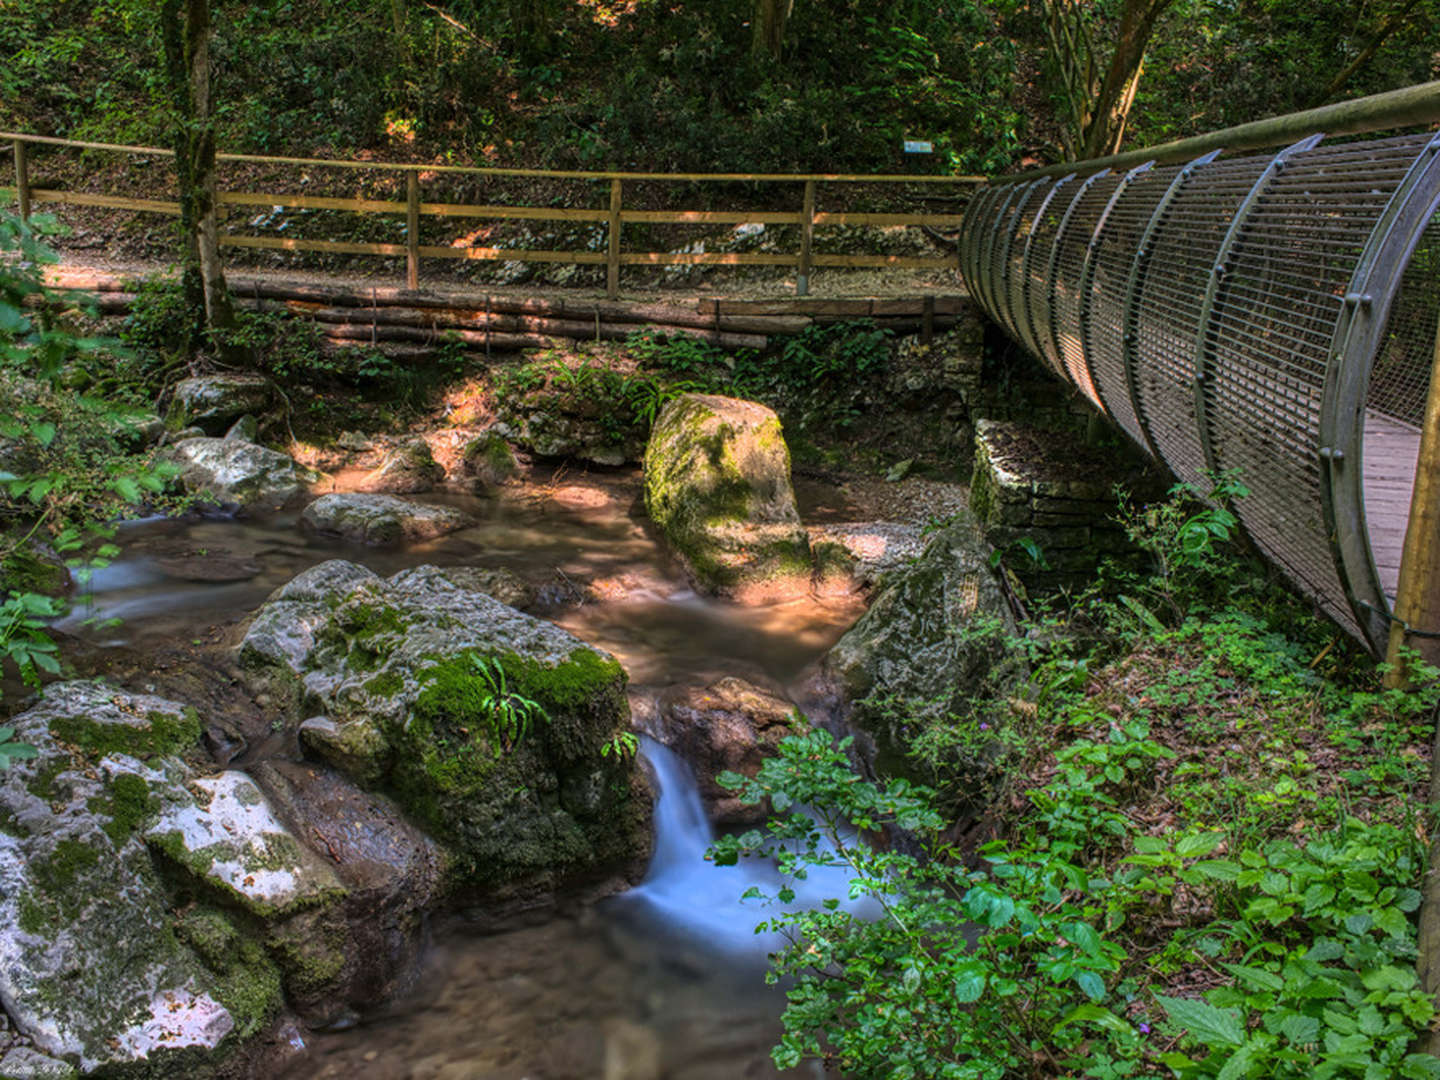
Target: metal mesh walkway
[{"x": 1274, "y": 315}]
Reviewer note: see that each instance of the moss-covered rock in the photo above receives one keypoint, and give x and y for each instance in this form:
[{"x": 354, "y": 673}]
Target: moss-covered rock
[
  {"x": 485, "y": 724},
  {"x": 934, "y": 637},
  {"x": 381, "y": 519},
  {"x": 407, "y": 470},
  {"x": 91, "y": 967},
  {"x": 490, "y": 460},
  {"x": 214, "y": 402},
  {"x": 717, "y": 484},
  {"x": 235, "y": 473}
]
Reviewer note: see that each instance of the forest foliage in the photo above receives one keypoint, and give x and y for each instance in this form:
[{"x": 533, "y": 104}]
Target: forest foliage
[{"x": 679, "y": 84}]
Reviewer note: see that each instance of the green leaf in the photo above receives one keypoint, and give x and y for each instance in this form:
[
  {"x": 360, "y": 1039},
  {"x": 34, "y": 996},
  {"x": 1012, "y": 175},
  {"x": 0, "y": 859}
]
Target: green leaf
[
  {"x": 1217, "y": 869},
  {"x": 969, "y": 982},
  {"x": 1301, "y": 1030},
  {"x": 1083, "y": 936},
  {"x": 1097, "y": 1015},
  {"x": 1216, "y": 1028},
  {"x": 1092, "y": 985},
  {"x": 1256, "y": 978},
  {"x": 1198, "y": 844}
]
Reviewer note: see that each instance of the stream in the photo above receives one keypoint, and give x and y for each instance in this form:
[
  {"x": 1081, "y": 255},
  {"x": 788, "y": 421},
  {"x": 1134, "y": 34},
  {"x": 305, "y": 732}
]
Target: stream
[{"x": 666, "y": 980}]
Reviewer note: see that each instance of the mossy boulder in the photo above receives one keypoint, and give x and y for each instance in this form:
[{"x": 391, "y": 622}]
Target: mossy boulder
[
  {"x": 489, "y": 458},
  {"x": 379, "y": 520},
  {"x": 934, "y": 638},
  {"x": 214, "y": 402},
  {"x": 91, "y": 966},
  {"x": 409, "y": 469},
  {"x": 717, "y": 484},
  {"x": 489, "y": 727},
  {"x": 235, "y": 473}
]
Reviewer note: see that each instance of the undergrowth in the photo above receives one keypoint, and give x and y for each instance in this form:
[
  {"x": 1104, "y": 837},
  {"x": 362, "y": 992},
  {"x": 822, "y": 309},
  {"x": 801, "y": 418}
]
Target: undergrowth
[{"x": 1200, "y": 858}]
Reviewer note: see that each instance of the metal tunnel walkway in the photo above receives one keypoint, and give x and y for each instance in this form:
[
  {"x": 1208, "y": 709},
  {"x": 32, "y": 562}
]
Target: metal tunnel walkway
[{"x": 1273, "y": 314}]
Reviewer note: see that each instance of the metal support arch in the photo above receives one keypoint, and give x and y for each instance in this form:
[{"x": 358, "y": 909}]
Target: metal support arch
[
  {"x": 1057, "y": 358},
  {"x": 1363, "y": 318},
  {"x": 1087, "y": 280},
  {"x": 1204, "y": 351},
  {"x": 1130, "y": 320},
  {"x": 1030, "y": 333},
  {"x": 987, "y": 249},
  {"x": 1006, "y": 308}
]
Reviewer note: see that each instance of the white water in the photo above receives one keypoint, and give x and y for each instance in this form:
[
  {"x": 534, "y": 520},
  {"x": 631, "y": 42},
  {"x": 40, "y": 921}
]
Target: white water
[{"x": 696, "y": 900}]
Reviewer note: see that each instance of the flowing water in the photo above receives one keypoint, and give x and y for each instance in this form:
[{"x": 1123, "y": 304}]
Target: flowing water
[{"x": 663, "y": 981}]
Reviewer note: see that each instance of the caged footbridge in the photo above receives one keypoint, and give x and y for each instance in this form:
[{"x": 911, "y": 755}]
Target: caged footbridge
[{"x": 1272, "y": 313}]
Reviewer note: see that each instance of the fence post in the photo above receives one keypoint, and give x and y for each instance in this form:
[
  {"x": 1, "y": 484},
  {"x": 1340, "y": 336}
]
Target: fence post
[
  {"x": 612, "y": 256},
  {"x": 412, "y": 229},
  {"x": 807, "y": 240},
  {"x": 22, "y": 179},
  {"x": 1417, "y": 597}
]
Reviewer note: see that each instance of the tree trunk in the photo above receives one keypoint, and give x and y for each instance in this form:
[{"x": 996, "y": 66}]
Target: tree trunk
[
  {"x": 767, "y": 27},
  {"x": 1106, "y": 129},
  {"x": 186, "y": 36}
]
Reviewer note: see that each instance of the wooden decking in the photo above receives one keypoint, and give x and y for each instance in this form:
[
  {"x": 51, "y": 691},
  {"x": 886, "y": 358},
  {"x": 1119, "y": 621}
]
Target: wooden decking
[{"x": 1391, "y": 448}]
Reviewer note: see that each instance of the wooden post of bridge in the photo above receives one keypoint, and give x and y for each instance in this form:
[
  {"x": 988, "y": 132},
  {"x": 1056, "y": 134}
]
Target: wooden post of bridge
[
  {"x": 807, "y": 240},
  {"x": 1417, "y": 597},
  {"x": 22, "y": 179},
  {"x": 612, "y": 254},
  {"x": 412, "y": 229}
]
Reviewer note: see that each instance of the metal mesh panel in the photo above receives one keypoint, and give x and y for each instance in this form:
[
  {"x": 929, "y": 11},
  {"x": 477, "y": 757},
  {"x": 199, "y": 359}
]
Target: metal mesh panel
[
  {"x": 1171, "y": 299},
  {"x": 1111, "y": 262},
  {"x": 1069, "y": 302},
  {"x": 1015, "y": 263},
  {"x": 1270, "y": 338},
  {"x": 1037, "y": 278},
  {"x": 1395, "y": 405},
  {"x": 1243, "y": 365}
]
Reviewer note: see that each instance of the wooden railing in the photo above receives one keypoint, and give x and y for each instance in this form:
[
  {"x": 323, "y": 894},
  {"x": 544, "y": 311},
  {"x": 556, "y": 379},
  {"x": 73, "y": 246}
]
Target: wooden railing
[{"x": 614, "y": 216}]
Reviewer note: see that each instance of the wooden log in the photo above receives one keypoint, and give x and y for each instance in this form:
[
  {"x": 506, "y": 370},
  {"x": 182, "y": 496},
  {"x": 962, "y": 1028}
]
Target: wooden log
[
  {"x": 716, "y": 217},
  {"x": 494, "y": 254},
  {"x": 537, "y": 331},
  {"x": 905, "y": 262},
  {"x": 412, "y": 230}
]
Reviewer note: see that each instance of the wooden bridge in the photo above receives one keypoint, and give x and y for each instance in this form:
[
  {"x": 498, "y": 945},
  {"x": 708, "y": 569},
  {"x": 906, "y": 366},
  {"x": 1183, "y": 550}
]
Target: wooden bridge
[{"x": 1273, "y": 314}]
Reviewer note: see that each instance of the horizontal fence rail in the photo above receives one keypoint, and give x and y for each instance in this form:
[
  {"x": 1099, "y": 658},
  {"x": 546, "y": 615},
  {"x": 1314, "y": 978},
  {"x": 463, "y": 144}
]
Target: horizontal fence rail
[
  {"x": 611, "y": 218},
  {"x": 1273, "y": 315}
]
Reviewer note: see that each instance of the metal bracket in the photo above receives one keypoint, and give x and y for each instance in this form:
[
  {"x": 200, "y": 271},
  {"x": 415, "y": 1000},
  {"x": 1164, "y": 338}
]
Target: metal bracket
[{"x": 1004, "y": 308}]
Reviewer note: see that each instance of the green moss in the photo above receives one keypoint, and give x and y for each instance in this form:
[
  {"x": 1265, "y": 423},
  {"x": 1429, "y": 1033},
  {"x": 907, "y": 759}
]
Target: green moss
[
  {"x": 127, "y": 802},
  {"x": 367, "y": 632},
  {"x": 52, "y": 897},
  {"x": 23, "y": 571},
  {"x": 42, "y": 785},
  {"x": 386, "y": 684},
  {"x": 212, "y": 935},
  {"x": 159, "y": 734},
  {"x": 982, "y": 487},
  {"x": 310, "y": 951}
]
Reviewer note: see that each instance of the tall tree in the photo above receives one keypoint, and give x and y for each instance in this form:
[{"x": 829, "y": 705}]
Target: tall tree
[
  {"x": 185, "y": 27},
  {"x": 1097, "y": 91},
  {"x": 767, "y": 27}
]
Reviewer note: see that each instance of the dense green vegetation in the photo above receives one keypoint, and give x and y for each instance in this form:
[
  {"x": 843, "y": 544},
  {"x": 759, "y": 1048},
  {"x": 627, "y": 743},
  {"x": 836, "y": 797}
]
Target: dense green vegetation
[
  {"x": 1206, "y": 846},
  {"x": 679, "y": 85}
]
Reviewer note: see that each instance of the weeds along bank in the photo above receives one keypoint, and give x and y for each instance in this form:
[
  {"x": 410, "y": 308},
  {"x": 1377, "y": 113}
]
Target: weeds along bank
[
  {"x": 1173, "y": 828},
  {"x": 1190, "y": 843}
]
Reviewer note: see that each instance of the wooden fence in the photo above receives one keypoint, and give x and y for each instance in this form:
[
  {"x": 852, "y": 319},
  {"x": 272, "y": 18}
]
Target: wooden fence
[{"x": 614, "y": 216}]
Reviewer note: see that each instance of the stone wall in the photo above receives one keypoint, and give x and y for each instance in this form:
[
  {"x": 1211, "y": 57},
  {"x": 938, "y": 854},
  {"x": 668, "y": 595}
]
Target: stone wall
[
  {"x": 1058, "y": 491},
  {"x": 961, "y": 377}
]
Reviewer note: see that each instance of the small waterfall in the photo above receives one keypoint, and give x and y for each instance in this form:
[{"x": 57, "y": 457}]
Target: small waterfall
[{"x": 692, "y": 898}]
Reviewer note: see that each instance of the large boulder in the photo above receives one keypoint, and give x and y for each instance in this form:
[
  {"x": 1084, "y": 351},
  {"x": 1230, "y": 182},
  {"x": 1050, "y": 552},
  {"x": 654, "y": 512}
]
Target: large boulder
[
  {"x": 717, "y": 484},
  {"x": 489, "y": 458},
  {"x": 495, "y": 731},
  {"x": 729, "y": 726},
  {"x": 94, "y": 967},
  {"x": 409, "y": 469},
  {"x": 214, "y": 402},
  {"x": 934, "y": 638},
  {"x": 381, "y": 519},
  {"x": 236, "y": 473}
]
